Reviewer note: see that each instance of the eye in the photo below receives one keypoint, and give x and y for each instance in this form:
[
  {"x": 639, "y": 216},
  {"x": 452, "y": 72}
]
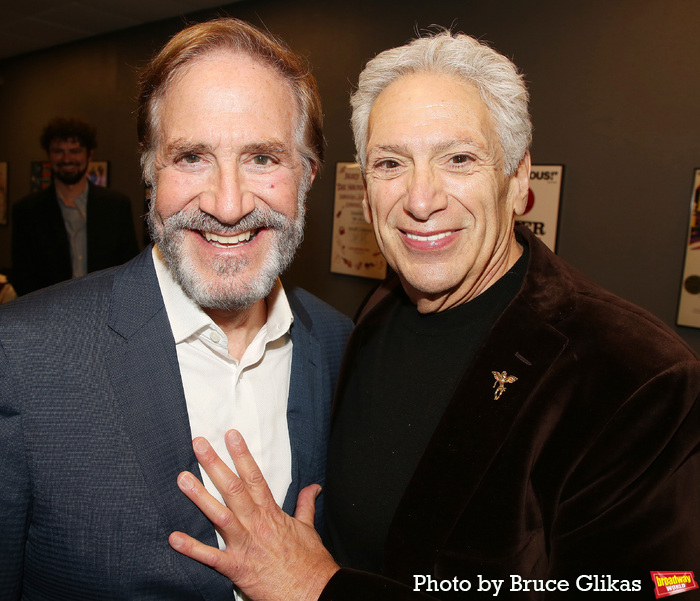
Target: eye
[
  {"x": 387, "y": 164},
  {"x": 190, "y": 159},
  {"x": 460, "y": 158},
  {"x": 262, "y": 159}
]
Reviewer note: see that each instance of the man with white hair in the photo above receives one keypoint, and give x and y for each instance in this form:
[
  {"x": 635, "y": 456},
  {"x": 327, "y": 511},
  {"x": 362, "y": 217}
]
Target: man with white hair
[{"x": 499, "y": 418}]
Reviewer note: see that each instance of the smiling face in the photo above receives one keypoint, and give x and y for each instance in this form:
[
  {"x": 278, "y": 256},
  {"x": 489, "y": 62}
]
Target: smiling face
[
  {"x": 69, "y": 160},
  {"x": 230, "y": 183},
  {"x": 440, "y": 203}
]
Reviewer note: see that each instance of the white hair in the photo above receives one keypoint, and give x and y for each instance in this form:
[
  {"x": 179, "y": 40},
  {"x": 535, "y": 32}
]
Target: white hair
[{"x": 500, "y": 86}]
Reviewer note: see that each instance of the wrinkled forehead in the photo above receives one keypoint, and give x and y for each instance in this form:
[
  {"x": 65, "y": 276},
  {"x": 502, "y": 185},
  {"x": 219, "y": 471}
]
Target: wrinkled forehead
[
  {"x": 178, "y": 82},
  {"x": 431, "y": 105}
]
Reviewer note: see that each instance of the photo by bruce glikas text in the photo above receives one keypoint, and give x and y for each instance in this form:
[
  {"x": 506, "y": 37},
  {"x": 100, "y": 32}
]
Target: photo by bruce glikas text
[{"x": 516, "y": 584}]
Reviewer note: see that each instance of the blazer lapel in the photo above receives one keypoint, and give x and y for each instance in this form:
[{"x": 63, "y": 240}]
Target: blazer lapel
[
  {"x": 303, "y": 420},
  {"x": 145, "y": 372},
  {"x": 470, "y": 434}
]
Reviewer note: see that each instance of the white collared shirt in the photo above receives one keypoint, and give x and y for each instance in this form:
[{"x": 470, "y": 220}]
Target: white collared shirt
[{"x": 223, "y": 393}]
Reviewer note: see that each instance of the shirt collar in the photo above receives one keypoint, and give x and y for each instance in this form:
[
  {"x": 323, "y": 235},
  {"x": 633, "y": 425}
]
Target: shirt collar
[
  {"x": 80, "y": 201},
  {"x": 188, "y": 319}
]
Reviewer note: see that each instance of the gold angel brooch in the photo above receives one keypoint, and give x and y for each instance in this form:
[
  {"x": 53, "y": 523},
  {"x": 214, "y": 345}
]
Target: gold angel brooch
[{"x": 502, "y": 378}]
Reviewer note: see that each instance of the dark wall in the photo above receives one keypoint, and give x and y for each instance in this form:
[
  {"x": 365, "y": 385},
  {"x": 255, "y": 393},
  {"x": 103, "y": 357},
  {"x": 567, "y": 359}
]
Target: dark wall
[{"x": 614, "y": 98}]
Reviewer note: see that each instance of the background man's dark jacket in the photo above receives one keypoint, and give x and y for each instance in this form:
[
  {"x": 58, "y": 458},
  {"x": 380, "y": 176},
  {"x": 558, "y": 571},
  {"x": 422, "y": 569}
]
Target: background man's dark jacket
[{"x": 40, "y": 248}]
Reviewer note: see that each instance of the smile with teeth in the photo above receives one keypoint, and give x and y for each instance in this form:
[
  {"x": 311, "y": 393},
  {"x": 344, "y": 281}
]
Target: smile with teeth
[
  {"x": 229, "y": 241},
  {"x": 430, "y": 238}
]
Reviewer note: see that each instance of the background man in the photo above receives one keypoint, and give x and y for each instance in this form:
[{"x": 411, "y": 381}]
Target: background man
[
  {"x": 497, "y": 414},
  {"x": 73, "y": 227},
  {"x": 104, "y": 381}
]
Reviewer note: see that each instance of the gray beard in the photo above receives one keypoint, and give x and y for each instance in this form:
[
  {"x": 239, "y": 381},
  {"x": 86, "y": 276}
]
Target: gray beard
[{"x": 227, "y": 286}]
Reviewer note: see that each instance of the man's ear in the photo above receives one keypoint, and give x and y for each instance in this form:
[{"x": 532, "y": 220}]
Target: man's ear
[
  {"x": 520, "y": 184},
  {"x": 366, "y": 211}
]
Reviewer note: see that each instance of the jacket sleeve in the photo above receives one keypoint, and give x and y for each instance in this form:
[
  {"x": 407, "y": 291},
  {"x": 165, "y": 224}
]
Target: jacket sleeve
[
  {"x": 633, "y": 501},
  {"x": 15, "y": 490}
]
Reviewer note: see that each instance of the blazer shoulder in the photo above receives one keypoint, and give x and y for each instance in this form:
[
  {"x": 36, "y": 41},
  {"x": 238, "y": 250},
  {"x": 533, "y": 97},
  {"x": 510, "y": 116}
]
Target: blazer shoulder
[
  {"x": 42, "y": 327},
  {"x": 94, "y": 293},
  {"x": 590, "y": 315},
  {"x": 621, "y": 326},
  {"x": 318, "y": 316}
]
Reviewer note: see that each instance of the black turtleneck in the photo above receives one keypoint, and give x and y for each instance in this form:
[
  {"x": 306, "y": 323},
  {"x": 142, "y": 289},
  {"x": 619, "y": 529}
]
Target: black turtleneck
[{"x": 404, "y": 374}]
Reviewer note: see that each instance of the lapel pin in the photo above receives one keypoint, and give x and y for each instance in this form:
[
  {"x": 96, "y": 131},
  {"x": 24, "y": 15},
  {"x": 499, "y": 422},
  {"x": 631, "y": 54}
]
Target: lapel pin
[{"x": 502, "y": 378}]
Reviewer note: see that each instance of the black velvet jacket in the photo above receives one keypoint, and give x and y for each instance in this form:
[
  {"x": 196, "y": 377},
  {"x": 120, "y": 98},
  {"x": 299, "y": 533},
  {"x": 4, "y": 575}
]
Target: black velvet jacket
[{"x": 588, "y": 464}]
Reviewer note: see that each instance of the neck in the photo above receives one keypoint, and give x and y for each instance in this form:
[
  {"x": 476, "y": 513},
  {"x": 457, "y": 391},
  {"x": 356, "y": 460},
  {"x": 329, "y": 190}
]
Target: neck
[
  {"x": 495, "y": 270},
  {"x": 69, "y": 192},
  {"x": 240, "y": 327}
]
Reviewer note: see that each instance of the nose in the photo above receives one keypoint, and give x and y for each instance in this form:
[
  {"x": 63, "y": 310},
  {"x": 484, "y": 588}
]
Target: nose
[
  {"x": 425, "y": 195},
  {"x": 228, "y": 198}
]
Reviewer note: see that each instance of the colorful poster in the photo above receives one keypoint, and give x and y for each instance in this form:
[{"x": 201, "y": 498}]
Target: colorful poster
[
  {"x": 542, "y": 212},
  {"x": 98, "y": 173},
  {"x": 689, "y": 303},
  {"x": 354, "y": 248},
  {"x": 40, "y": 175}
]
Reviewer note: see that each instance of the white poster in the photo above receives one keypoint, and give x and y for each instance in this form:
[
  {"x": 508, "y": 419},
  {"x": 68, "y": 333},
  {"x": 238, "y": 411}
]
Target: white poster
[
  {"x": 354, "y": 249},
  {"x": 689, "y": 304},
  {"x": 542, "y": 212}
]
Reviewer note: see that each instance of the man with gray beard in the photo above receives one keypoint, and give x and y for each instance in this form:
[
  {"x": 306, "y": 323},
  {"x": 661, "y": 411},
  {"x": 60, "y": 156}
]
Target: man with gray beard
[{"x": 106, "y": 381}]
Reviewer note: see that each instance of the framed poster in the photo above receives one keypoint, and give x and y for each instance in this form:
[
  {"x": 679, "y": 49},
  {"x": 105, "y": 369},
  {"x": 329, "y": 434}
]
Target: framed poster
[
  {"x": 3, "y": 193},
  {"x": 354, "y": 249},
  {"x": 98, "y": 173},
  {"x": 689, "y": 302},
  {"x": 542, "y": 211},
  {"x": 40, "y": 174}
]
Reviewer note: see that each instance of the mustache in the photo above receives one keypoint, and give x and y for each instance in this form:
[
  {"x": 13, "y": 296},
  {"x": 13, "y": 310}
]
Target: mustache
[{"x": 201, "y": 221}]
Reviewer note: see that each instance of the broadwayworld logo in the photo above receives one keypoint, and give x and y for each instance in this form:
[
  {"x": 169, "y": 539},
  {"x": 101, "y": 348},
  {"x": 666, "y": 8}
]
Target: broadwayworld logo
[{"x": 673, "y": 583}]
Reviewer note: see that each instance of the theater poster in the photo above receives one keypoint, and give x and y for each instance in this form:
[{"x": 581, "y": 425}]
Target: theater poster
[
  {"x": 542, "y": 211},
  {"x": 354, "y": 248},
  {"x": 689, "y": 303}
]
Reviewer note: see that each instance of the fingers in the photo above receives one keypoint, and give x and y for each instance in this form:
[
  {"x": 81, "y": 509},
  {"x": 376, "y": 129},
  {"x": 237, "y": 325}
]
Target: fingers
[
  {"x": 248, "y": 471},
  {"x": 219, "y": 515},
  {"x": 244, "y": 493},
  {"x": 306, "y": 504},
  {"x": 185, "y": 544},
  {"x": 223, "y": 478}
]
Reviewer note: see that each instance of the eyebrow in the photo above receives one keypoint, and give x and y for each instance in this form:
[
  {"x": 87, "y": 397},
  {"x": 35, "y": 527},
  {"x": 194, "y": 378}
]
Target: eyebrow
[
  {"x": 266, "y": 147},
  {"x": 442, "y": 146},
  {"x": 182, "y": 147}
]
